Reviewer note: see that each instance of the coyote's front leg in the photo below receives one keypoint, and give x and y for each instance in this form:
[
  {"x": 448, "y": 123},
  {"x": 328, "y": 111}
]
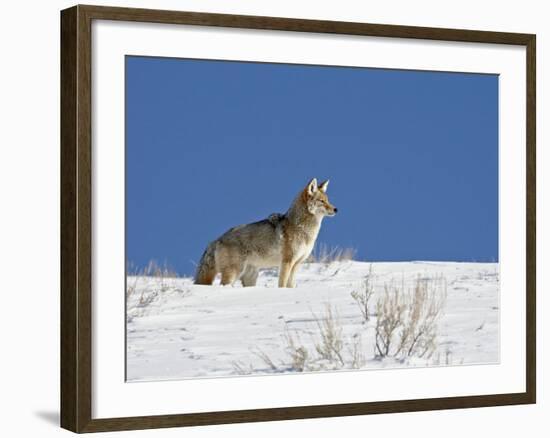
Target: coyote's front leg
[
  {"x": 291, "y": 282},
  {"x": 284, "y": 272}
]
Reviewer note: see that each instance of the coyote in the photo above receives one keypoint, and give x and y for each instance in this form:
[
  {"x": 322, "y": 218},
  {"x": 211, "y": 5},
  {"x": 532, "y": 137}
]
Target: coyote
[{"x": 281, "y": 240}]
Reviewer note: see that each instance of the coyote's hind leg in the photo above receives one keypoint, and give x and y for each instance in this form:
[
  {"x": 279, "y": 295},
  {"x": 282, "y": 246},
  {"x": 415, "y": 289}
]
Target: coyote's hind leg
[
  {"x": 230, "y": 274},
  {"x": 250, "y": 276}
]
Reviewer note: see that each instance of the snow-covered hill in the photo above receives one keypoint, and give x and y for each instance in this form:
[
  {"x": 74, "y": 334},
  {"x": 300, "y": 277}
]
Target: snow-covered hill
[{"x": 178, "y": 330}]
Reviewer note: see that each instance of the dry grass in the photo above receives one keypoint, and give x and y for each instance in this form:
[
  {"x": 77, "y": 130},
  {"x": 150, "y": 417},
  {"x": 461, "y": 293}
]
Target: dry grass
[
  {"x": 323, "y": 253},
  {"x": 242, "y": 369},
  {"x": 331, "y": 340},
  {"x": 153, "y": 280},
  {"x": 329, "y": 350},
  {"x": 131, "y": 285},
  {"x": 152, "y": 269},
  {"x": 265, "y": 358},
  {"x": 299, "y": 355}
]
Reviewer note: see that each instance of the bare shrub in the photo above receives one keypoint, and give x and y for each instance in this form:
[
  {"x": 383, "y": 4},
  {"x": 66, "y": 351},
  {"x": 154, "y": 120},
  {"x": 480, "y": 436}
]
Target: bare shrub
[
  {"x": 407, "y": 321},
  {"x": 389, "y": 318},
  {"x": 363, "y": 296},
  {"x": 419, "y": 334},
  {"x": 322, "y": 253}
]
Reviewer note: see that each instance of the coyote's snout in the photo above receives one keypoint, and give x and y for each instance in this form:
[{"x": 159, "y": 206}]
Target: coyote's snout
[{"x": 281, "y": 240}]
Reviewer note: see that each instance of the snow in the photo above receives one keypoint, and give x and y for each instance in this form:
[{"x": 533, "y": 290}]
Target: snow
[{"x": 177, "y": 330}]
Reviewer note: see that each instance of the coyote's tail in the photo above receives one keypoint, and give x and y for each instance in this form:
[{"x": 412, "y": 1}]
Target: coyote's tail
[{"x": 206, "y": 271}]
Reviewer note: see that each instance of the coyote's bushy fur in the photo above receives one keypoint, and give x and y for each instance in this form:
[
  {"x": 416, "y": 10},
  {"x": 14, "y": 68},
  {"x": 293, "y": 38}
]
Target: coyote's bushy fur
[{"x": 281, "y": 240}]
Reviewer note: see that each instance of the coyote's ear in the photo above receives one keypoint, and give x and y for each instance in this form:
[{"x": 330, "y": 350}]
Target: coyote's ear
[
  {"x": 323, "y": 186},
  {"x": 312, "y": 186}
]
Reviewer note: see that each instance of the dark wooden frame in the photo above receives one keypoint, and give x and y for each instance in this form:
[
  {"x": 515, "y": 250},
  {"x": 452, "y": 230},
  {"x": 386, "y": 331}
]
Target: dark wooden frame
[{"x": 76, "y": 236}]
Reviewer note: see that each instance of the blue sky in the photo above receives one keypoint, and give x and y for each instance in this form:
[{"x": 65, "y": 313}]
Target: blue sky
[{"x": 412, "y": 156}]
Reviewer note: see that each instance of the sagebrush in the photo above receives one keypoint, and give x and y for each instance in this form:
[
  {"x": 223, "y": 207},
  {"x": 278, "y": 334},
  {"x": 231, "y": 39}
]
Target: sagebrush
[{"x": 407, "y": 320}]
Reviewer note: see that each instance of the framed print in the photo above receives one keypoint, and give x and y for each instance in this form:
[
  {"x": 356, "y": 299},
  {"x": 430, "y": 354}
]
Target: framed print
[{"x": 271, "y": 218}]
